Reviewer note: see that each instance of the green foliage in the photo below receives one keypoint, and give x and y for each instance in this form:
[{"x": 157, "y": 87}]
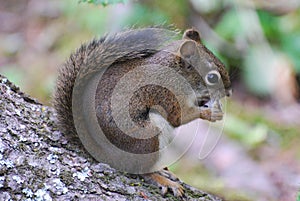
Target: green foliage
[
  {"x": 283, "y": 33},
  {"x": 13, "y": 73},
  {"x": 298, "y": 197},
  {"x": 251, "y": 135},
  {"x": 144, "y": 15},
  {"x": 88, "y": 19},
  {"x": 230, "y": 26},
  {"x": 253, "y": 129},
  {"x": 258, "y": 70},
  {"x": 270, "y": 25},
  {"x": 261, "y": 53},
  {"x": 290, "y": 45},
  {"x": 100, "y": 20},
  {"x": 175, "y": 11},
  {"x": 103, "y": 2}
]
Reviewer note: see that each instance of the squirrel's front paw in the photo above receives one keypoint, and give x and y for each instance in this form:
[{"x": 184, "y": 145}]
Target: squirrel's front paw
[
  {"x": 211, "y": 114},
  {"x": 162, "y": 179},
  {"x": 211, "y": 111},
  {"x": 216, "y": 114}
]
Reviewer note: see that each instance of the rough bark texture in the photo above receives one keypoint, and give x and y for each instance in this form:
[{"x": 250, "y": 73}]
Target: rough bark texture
[{"x": 38, "y": 162}]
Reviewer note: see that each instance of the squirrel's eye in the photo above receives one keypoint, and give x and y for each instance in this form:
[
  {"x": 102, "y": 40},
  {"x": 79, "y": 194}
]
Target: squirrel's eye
[{"x": 212, "y": 77}]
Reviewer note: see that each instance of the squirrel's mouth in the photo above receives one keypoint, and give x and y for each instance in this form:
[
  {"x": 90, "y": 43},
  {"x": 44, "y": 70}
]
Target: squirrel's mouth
[
  {"x": 207, "y": 101},
  {"x": 202, "y": 101},
  {"x": 210, "y": 104},
  {"x": 213, "y": 105}
]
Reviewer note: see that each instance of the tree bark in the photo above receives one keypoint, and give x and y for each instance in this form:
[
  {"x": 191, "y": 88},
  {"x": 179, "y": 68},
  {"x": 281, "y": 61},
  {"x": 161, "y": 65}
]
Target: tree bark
[{"x": 38, "y": 162}]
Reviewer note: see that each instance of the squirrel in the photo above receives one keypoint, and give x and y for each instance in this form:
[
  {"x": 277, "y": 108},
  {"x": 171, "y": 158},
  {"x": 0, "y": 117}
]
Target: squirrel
[{"x": 144, "y": 50}]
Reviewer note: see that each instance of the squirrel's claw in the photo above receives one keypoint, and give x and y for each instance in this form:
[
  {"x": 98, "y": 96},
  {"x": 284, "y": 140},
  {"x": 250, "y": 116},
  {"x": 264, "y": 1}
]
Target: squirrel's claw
[
  {"x": 168, "y": 174},
  {"x": 162, "y": 179}
]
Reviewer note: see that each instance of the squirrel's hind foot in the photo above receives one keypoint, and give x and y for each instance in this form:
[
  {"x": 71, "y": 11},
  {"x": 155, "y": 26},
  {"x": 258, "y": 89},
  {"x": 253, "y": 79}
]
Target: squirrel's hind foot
[{"x": 166, "y": 181}]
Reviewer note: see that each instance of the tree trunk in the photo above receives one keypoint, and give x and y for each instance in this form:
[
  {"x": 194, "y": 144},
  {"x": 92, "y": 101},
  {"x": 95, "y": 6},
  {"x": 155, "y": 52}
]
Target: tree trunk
[{"x": 38, "y": 162}]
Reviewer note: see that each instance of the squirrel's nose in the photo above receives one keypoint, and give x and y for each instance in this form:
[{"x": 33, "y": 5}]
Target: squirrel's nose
[{"x": 228, "y": 92}]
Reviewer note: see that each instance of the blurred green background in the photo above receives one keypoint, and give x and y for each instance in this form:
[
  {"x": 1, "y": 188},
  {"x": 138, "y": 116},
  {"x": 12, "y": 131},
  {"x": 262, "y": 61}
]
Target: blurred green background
[{"x": 259, "y": 41}]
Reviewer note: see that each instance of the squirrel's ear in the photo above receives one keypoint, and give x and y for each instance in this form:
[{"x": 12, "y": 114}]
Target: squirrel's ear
[
  {"x": 192, "y": 34},
  {"x": 187, "y": 49}
]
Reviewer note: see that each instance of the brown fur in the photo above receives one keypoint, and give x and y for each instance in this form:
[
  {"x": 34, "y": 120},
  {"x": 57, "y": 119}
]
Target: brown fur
[
  {"x": 124, "y": 52},
  {"x": 95, "y": 55}
]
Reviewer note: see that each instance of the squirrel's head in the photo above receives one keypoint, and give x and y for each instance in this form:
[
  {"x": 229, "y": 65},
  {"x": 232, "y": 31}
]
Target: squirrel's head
[{"x": 210, "y": 78}]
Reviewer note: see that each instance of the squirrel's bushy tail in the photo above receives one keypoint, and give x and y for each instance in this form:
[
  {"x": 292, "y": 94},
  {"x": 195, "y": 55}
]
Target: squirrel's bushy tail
[
  {"x": 64, "y": 86},
  {"x": 99, "y": 54}
]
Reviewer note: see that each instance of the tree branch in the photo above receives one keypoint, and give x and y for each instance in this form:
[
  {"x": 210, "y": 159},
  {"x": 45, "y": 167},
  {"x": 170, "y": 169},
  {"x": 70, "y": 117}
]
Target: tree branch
[{"x": 38, "y": 162}]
